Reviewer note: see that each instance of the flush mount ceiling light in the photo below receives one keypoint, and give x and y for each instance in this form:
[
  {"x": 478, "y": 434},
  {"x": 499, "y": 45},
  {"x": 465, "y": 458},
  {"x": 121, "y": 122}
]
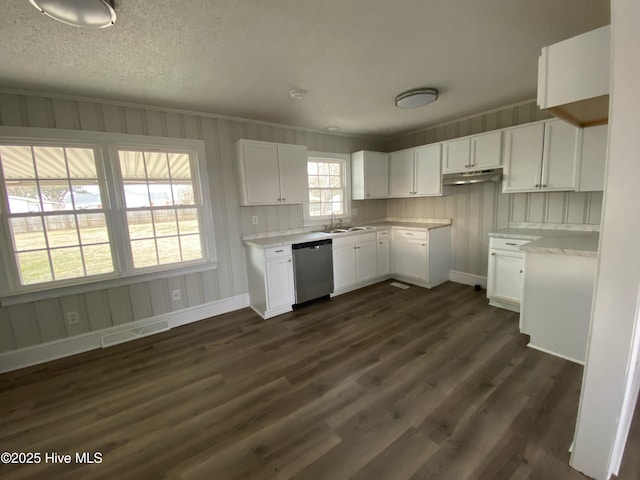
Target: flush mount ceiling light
[
  {"x": 332, "y": 128},
  {"x": 418, "y": 97},
  {"x": 79, "y": 13}
]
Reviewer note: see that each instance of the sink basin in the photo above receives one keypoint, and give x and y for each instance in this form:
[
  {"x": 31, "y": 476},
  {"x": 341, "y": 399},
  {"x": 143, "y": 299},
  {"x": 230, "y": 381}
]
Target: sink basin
[
  {"x": 346, "y": 230},
  {"x": 356, "y": 229}
]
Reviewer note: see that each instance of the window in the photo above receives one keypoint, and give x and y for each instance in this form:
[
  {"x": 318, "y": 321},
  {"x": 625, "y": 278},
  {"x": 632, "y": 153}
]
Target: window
[
  {"x": 94, "y": 206},
  {"x": 328, "y": 180}
]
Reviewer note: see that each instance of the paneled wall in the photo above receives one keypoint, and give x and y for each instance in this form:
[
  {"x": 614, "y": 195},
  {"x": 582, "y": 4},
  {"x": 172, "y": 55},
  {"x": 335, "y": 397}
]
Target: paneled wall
[
  {"x": 478, "y": 209},
  {"x": 43, "y": 321}
]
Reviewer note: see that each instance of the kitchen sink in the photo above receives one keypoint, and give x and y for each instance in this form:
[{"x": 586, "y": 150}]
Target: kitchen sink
[{"x": 346, "y": 230}]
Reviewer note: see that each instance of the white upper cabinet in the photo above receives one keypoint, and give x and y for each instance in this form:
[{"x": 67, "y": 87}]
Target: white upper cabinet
[
  {"x": 271, "y": 173},
  {"x": 416, "y": 172},
  {"x": 477, "y": 152},
  {"x": 592, "y": 159},
  {"x": 540, "y": 157},
  {"x": 369, "y": 175},
  {"x": 573, "y": 78}
]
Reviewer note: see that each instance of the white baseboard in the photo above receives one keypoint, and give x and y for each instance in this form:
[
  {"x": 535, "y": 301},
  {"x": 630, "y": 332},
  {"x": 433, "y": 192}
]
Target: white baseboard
[
  {"x": 33, "y": 355},
  {"x": 555, "y": 354},
  {"x": 467, "y": 278}
]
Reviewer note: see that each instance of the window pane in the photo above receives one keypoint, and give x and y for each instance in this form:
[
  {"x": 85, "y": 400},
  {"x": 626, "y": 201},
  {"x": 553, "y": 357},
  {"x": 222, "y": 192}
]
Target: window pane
[
  {"x": 160, "y": 195},
  {"x": 188, "y": 220},
  {"x": 326, "y": 196},
  {"x": 183, "y": 194},
  {"x": 98, "y": 259},
  {"x": 191, "y": 247},
  {"x": 312, "y": 168},
  {"x": 168, "y": 250},
  {"x": 136, "y": 195},
  {"x": 54, "y": 194},
  {"x": 33, "y": 267},
  {"x": 86, "y": 195},
  {"x": 144, "y": 253},
  {"x": 314, "y": 196},
  {"x": 27, "y": 233},
  {"x": 157, "y": 166},
  {"x": 179, "y": 166},
  {"x": 61, "y": 230},
  {"x": 314, "y": 182},
  {"x": 324, "y": 182},
  {"x": 337, "y": 208},
  {"x": 324, "y": 169},
  {"x": 140, "y": 224},
  {"x": 131, "y": 165},
  {"x": 93, "y": 228},
  {"x": 335, "y": 182},
  {"x": 165, "y": 222},
  {"x": 335, "y": 169},
  {"x": 50, "y": 162},
  {"x": 67, "y": 263},
  {"x": 315, "y": 210},
  {"x": 16, "y": 162},
  {"x": 82, "y": 163},
  {"x": 326, "y": 209},
  {"x": 23, "y": 198}
]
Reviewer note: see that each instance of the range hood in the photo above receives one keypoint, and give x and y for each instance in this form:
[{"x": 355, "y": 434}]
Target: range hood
[{"x": 478, "y": 176}]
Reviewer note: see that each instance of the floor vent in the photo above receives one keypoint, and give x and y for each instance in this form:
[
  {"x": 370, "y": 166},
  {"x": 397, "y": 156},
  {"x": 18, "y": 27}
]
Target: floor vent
[
  {"x": 399, "y": 285},
  {"x": 134, "y": 333}
]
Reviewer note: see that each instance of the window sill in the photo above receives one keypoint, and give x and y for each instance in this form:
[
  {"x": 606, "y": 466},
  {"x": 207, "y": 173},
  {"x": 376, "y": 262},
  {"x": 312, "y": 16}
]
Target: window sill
[{"x": 16, "y": 298}]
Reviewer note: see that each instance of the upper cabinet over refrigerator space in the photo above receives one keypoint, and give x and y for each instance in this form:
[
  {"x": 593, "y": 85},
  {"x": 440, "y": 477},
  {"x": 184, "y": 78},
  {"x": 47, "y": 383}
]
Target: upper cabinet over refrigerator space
[{"x": 573, "y": 78}]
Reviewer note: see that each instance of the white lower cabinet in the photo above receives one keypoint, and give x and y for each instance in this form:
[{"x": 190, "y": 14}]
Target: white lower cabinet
[
  {"x": 506, "y": 273},
  {"x": 421, "y": 256},
  {"x": 270, "y": 275},
  {"x": 355, "y": 260}
]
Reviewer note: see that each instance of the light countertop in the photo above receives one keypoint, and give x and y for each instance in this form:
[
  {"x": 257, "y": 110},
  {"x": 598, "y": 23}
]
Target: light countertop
[
  {"x": 553, "y": 240},
  {"x": 290, "y": 239}
]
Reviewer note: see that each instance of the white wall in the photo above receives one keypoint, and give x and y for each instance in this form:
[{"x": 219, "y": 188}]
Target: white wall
[
  {"x": 609, "y": 392},
  {"x": 39, "y": 322}
]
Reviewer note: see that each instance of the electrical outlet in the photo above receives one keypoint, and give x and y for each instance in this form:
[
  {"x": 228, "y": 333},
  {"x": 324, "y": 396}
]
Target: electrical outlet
[
  {"x": 72, "y": 318},
  {"x": 175, "y": 295},
  {"x": 254, "y": 220}
]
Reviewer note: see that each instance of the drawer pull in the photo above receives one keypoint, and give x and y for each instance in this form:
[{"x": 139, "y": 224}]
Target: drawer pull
[
  {"x": 279, "y": 251},
  {"x": 521, "y": 270},
  {"x": 510, "y": 243},
  {"x": 493, "y": 253}
]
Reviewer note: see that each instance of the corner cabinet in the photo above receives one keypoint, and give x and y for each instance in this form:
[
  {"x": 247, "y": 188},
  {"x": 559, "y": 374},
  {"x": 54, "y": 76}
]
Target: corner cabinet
[
  {"x": 506, "y": 273},
  {"x": 369, "y": 175},
  {"x": 541, "y": 157},
  {"x": 421, "y": 257},
  {"x": 271, "y": 173},
  {"x": 416, "y": 172},
  {"x": 477, "y": 152},
  {"x": 270, "y": 276}
]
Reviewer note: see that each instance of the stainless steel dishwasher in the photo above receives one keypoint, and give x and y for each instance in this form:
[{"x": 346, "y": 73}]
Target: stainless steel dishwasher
[{"x": 313, "y": 270}]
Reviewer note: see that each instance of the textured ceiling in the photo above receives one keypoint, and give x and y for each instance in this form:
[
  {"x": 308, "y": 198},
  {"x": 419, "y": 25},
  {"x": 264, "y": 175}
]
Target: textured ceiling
[{"x": 241, "y": 58}]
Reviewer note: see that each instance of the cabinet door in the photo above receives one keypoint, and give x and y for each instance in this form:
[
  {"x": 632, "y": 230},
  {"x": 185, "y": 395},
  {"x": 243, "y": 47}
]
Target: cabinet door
[
  {"x": 523, "y": 158},
  {"x": 457, "y": 155},
  {"x": 504, "y": 281},
  {"x": 279, "y": 278},
  {"x": 401, "y": 171},
  {"x": 428, "y": 170},
  {"x": 367, "y": 261},
  {"x": 344, "y": 267},
  {"x": 293, "y": 173},
  {"x": 376, "y": 175},
  {"x": 262, "y": 181},
  {"x": 486, "y": 151},
  {"x": 592, "y": 160},
  {"x": 559, "y": 159},
  {"x": 410, "y": 258},
  {"x": 384, "y": 267}
]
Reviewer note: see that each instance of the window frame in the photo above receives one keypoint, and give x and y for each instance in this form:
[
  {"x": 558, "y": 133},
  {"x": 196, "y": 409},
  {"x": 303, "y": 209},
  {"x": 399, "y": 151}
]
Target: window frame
[
  {"x": 106, "y": 146},
  {"x": 345, "y": 159}
]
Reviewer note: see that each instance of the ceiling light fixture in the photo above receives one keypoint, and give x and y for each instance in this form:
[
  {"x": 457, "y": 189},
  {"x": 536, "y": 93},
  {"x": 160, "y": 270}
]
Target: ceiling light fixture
[
  {"x": 296, "y": 93},
  {"x": 418, "y": 97},
  {"x": 79, "y": 13},
  {"x": 332, "y": 128}
]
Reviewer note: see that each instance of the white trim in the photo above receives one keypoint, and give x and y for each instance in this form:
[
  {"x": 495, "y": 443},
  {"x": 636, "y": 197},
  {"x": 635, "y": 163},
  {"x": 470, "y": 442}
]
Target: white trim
[
  {"x": 467, "y": 278},
  {"x": 180, "y": 111},
  {"x": 65, "y": 347},
  {"x": 345, "y": 158},
  {"x": 555, "y": 354}
]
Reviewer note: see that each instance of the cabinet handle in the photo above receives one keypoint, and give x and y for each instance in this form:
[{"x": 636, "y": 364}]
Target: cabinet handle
[
  {"x": 493, "y": 253},
  {"x": 467, "y": 166},
  {"x": 279, "y": 199},
  {"x": 368, "y": 195},
  {"x": 544, "y": 186},
  {"x": 510, "y": 243},
  {"x": 424, "y": 244},
  {"x": 279, "y": 251},
  {"x": 537, "y": 185},
  {"x": 521, "y": 270},
  {"x": 283, "y": 199}
]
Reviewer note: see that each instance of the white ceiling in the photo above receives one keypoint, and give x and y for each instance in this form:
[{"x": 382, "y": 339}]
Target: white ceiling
[{"x": 241, "y": 57}]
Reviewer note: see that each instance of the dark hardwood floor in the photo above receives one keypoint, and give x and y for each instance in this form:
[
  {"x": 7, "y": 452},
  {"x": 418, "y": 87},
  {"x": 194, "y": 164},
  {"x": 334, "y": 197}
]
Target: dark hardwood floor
[{"x": 382, "y": 383}]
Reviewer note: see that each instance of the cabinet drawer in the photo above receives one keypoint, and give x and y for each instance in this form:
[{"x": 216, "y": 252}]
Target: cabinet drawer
[
  {"x": 383, "y": 234},
  {"x": 507, "y": 244},
  {"x": 356, "y": 239},
  {"x": 410, "y": 234},
  {"x": 276, "y": 252}
]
